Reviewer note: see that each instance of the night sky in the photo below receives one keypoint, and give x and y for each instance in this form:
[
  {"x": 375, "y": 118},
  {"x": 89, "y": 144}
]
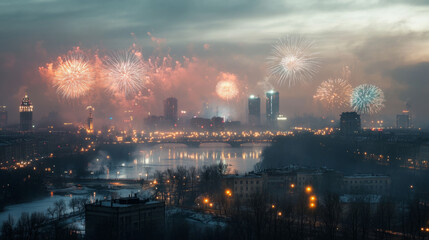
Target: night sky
[{"x": 385, "y": 43}]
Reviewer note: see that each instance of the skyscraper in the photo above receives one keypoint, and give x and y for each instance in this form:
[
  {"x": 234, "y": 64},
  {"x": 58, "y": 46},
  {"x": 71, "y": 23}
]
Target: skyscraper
[
  {"x": 272, "y": 105},
  {"x": 26, "y": 114},
  {"x": 3, "y": 116},
  {"x": 350, "y": 123},
  {"x": 254, "y": 103},
  {"x": 170, "y": 109},
  {"x": 402, "y": 121},
  {"x": 90, "y": 127}
]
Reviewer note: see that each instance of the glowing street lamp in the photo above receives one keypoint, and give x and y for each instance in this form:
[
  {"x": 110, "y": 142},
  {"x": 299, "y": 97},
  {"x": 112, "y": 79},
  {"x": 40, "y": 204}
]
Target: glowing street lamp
[{"x": 308, "y": 189}]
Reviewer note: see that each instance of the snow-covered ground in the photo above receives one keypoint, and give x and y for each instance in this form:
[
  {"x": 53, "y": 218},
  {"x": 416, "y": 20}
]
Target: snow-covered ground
[
  {"x": 205, "y": 219},
  {"x": 66, "y": 194}
]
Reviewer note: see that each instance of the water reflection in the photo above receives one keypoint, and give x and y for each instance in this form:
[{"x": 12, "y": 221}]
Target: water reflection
[{"x": 148, "y": 160}]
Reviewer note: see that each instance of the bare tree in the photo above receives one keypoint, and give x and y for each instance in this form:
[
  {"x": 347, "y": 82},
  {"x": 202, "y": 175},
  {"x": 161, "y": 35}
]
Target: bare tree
[
  {"x": 7, "y": 229},
  {"x": 82, "y": 202},
  {"x": 73, "y": 203},
  {"x": 51, "y": 212},
  {"x": 23, "y": 226},
  {"x": 330, "y": 214},
  {"x": 160, "y": 188},
  {"x": 60, "y": 208},
  {"x": 147, "y": 170},
  {"x": 181, "y": 180}
]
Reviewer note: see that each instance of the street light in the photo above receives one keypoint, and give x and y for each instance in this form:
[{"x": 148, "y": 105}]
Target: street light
[
  {"x": 308, "y": 189},
  {"x": 228, "y": 193}
]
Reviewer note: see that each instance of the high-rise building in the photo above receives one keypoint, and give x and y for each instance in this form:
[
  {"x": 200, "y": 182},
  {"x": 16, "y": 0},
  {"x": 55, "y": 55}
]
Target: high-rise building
[
  {"x": 170, "y": 109},
  {"x": 254, "y": 103},
  {"x": 3, "y": 116},
  {"x": 350, "y": 123},
  {"x": 403, "y": 121},
  {"x": 26, "y": 114},
  {"x": 272, "y": 105},
  {"x": 90, "y": 126}
]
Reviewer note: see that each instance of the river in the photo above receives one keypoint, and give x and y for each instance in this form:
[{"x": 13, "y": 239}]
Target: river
[{"x": 145, "y": 160}]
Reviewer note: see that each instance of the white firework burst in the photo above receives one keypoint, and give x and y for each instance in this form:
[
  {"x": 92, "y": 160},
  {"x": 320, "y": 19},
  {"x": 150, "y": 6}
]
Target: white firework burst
[
  {"x": 292, "y": 61},
  {"x": 125, "y": 72},
  {"x": 73, "y": 76}
]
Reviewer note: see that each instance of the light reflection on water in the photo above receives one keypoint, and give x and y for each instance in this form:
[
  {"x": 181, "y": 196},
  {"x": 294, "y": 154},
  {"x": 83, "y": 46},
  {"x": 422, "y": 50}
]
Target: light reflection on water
[{"x": 162, "y": 157}]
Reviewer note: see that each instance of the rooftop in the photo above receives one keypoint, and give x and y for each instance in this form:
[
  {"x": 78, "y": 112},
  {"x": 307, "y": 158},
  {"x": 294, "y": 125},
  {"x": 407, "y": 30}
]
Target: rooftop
[
  {"x": 123, "y": 202},
  {"x": 366, "y": 176}
]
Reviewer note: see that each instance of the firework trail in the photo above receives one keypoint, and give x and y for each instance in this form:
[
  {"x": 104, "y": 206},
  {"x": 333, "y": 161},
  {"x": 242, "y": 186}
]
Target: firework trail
[
  {"x": 292, "y": 61},
  {"x": 125, "y": 72},
  {"x": 73, "y": 76},
  {"x": 347, "y": 73},
  {"x": 334, "y": 93},
  {"x": 227, "y": 88},
  {"x": 367, "y": 99}
]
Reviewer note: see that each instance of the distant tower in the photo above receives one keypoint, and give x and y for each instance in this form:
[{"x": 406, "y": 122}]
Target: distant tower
[
  {"x": 404, "y": 120},
  {"x": 350, "y": 123},
  {"x": 90, "y": 127},
  {"x": 272, "y": 105},
  {"x": 26, "y": 114},
  {"x": 3, "y": 116},
  {"x": 410, "y": 114},
  {"x": 170, "y": 110},
  {"x": 254, "y": 103}
]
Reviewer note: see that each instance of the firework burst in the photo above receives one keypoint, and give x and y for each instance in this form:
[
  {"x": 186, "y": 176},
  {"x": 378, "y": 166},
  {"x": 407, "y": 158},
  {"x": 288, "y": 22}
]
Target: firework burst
[
  {"x": 367, "y": 99},
  {"x": 125, "y": 72},
  {"x": 292, "y": 61},
  {"x": 73, "y": 76},
  {"x": 226, "y": 89},
  {"x": 334, "y": 93}
]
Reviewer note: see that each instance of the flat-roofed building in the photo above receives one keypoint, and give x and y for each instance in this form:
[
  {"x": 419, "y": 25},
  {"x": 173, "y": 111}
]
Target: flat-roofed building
[
  {"x": 124, "y": 218},
  {"x": 244, "y": 187},
  {"x": 367, "y": 184}
]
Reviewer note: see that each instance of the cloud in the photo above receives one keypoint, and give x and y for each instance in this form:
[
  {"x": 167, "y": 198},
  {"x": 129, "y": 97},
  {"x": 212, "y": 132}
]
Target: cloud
[
  {"x": 374, "y": 38},
  {"x": 414, "y": 80},
  {"x": 7, "y": 60}
]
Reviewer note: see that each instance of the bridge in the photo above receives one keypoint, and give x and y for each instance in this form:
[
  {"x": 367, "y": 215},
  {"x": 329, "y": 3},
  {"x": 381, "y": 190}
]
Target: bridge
[{"x": 196, "y": 142}]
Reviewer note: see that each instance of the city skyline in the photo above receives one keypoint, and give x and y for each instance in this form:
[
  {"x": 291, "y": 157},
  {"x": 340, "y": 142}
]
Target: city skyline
[
  {"x": 391, "y": 54},
  {"x": 209, "y": 119}
]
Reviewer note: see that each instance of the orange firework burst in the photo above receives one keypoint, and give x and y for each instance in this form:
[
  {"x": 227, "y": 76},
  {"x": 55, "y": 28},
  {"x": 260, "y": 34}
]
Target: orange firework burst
[
  {"x": 73, "y": 76},
  {"x": 334, "y": 93},
  {"x": 226, "y": 88}
]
